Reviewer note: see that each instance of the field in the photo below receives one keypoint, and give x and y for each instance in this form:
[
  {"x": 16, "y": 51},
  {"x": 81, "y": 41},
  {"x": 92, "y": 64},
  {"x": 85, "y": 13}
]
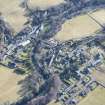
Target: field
[
  {"x": 54, "y": 103},
  {"x": 97, "y": 97},
  {"x": 81, "y": 26},
  {"x": 43, "y": 4},
  {"x": 99, "y": 76},
  {"x": 99, "y": 15},
  {"x": 9, "y": 85},
  {"x": 13, "y": 13}
]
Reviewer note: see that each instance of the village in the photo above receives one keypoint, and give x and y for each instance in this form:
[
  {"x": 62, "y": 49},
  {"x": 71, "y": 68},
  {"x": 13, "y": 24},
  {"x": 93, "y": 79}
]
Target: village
[{"x": 36, "y": 52}]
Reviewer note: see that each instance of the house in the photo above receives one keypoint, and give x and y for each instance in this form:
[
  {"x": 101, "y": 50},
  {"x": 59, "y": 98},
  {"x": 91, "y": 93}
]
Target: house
[{"x": 25, "y": 43}]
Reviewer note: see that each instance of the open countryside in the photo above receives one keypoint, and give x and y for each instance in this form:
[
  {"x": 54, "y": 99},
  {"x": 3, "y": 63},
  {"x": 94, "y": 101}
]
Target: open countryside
[
  {"x": 99, "y": 15},
  {"x": 13, "y": 14},
  {"x": 43, "y": 4},
  {"x": 77, "y": 27},
  {"x": 97, "y": 97},
  {"x": 9, "y": 88}
]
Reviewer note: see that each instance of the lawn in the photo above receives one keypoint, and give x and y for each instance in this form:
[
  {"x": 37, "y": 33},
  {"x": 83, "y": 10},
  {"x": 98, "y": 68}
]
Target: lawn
[{"x": 9, "y": 87}]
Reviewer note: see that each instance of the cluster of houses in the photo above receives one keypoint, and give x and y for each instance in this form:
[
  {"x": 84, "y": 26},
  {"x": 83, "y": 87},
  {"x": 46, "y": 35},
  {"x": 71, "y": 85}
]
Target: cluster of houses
[
  {"x": 85, "y": 83},
  {"x": 81, "y": 62}
]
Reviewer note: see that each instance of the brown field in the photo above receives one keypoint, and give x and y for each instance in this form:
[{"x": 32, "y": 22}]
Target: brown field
[
  {"x": 12, "y": 13},
  {"x": 99, "y": 15},
  {"x": 96, "y": 97},
  {"x": 99, "y": 76},
  {"x": 9, "y": 85},
  {"x": 54, "y": 103},
  {"x": 43, "y": 4},
  {"x": 81, "y": 26}
]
